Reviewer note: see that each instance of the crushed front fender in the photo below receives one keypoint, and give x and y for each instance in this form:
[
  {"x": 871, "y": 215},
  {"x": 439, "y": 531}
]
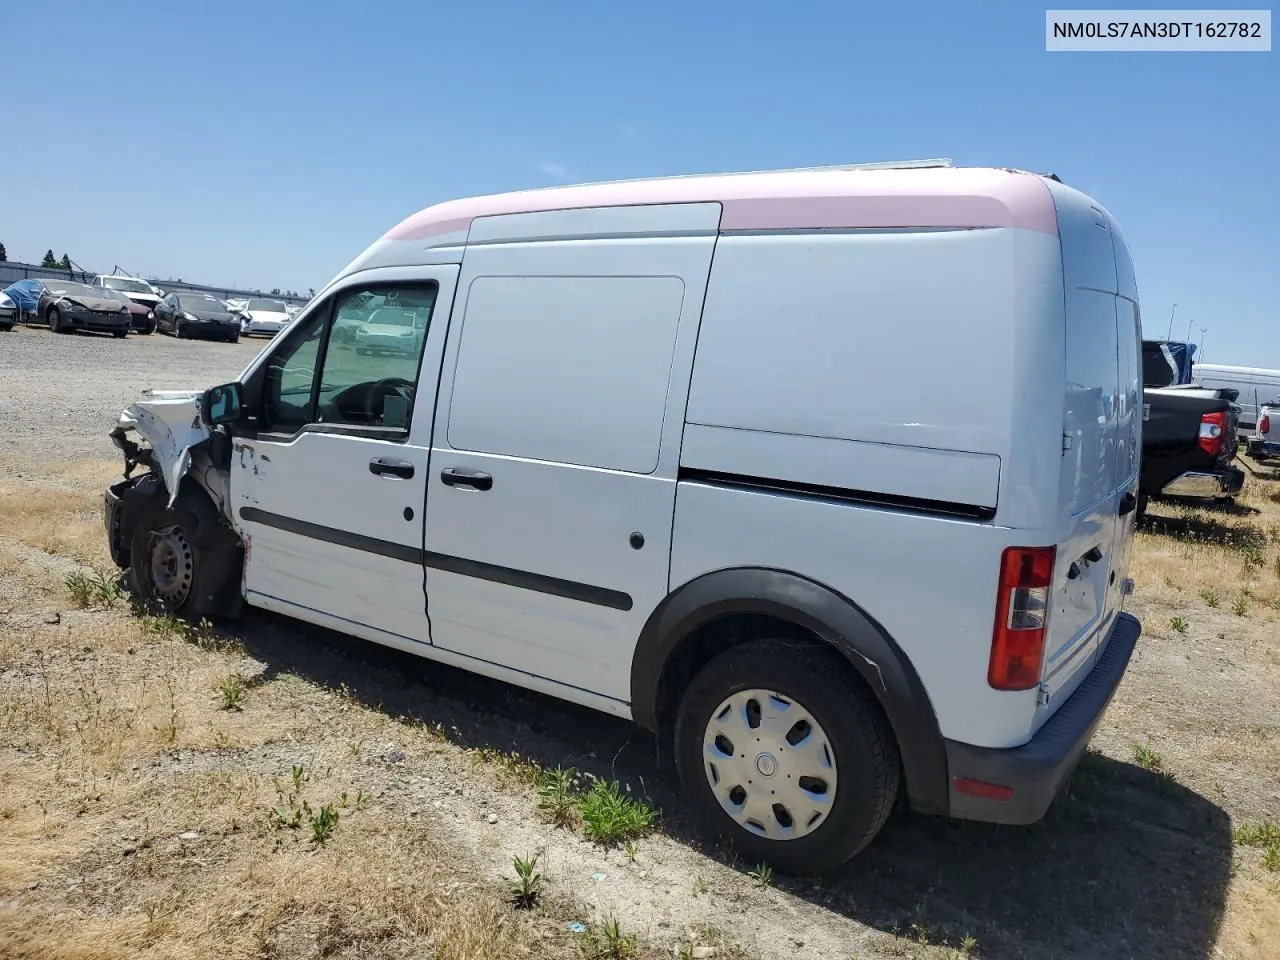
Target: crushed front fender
[{"x": 169, "y": 421}]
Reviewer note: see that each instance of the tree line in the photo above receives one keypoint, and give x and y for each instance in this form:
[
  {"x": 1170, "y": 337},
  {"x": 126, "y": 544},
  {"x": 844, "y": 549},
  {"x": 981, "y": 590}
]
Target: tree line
[{"x": 51, "y": 261}]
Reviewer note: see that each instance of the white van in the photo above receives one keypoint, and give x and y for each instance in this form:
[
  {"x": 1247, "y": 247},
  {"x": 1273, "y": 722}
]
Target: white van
[
  {"x": 1256, "y": 386},
  {"x": 647, "y": 452}
]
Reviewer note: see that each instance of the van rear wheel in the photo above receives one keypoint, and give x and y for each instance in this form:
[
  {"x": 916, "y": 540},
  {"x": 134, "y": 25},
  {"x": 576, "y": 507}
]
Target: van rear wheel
[{"x": 783, "y": 752}]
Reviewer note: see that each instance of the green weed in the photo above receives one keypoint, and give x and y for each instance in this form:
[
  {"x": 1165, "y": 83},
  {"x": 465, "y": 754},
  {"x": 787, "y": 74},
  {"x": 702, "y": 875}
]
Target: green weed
[
  {"x": 1178, "y": 624},
  {"x": 1211, "y": 597},
  {"x": 323, "y": 822},
  {"x": 1256, "y": 834},
  {"x": 528, "y": 883},
  {"x": 608, "y": 942},
  {"x": 555, "y": 795},
  {"x": 231, "y": 691},
  {"x": 762, "y": 875},
  {"x": 1271, "y": 858},
  {"x": 609, "y": 818},
  {"x": 1147, "y": 758}
]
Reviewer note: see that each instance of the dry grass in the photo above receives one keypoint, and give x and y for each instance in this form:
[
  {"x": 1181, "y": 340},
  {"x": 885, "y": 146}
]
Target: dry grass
[
  {"x": 135, "y": 811},
  {"x": 145, "y": 811}
]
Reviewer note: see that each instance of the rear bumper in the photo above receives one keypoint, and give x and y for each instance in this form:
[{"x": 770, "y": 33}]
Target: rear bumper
[
  {"x": 1036, "y": 771},
  {"x": 1205, "y": 484},
  {"x": 210, "y": 330}
]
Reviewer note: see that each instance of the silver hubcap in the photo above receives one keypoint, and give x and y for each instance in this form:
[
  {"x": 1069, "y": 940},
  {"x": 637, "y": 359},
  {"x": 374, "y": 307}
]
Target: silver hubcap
[
  {"x": 770, "y": 764},
  {"x": 172, "y": 565}
]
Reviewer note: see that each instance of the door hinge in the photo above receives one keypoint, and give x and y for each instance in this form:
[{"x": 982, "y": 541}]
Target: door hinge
[
  {"x": 1067, "y": 442},
  {"x": 1042, "y": 696}
]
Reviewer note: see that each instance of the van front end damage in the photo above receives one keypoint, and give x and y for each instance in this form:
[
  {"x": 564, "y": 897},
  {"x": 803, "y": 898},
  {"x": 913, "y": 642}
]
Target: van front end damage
[{"x": 169, "y": 526}]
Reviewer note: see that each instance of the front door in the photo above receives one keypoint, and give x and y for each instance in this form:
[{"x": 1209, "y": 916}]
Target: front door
[{"x": 328, "y": 489}]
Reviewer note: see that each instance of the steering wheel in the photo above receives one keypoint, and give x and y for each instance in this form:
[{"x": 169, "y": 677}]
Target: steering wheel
[{"x": 376, "y": 396}]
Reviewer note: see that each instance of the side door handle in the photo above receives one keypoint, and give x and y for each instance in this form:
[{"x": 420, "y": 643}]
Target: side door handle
[
  {"x": 1127, "y": 504},
  {"x": 391, "y": 468},
  {"x": 458, "y": 477}
]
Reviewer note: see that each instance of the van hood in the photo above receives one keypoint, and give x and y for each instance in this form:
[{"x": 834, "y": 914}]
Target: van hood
[{"x": 169, "y": 422}]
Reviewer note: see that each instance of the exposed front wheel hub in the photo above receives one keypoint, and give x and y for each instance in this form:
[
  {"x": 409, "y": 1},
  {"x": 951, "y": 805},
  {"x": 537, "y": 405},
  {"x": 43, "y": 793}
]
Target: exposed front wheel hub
[{"x": 171, "y": 566}]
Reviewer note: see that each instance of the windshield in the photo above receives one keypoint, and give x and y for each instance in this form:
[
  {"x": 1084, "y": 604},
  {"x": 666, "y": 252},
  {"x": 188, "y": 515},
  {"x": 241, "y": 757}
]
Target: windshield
[
  {"x": 128, "y": 286},
  {"x": 66, "y": 288},
  {"x": 269, "y": 306},
  {"x": 201, "y": 301}
]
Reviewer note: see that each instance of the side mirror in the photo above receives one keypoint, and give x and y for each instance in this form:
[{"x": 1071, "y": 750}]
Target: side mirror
[{"x": 220, "y": 404}]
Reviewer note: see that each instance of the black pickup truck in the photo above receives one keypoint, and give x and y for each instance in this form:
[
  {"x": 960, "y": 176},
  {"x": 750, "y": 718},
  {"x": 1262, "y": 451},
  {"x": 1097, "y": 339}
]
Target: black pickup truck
[{"x": 1189, "y": 432}]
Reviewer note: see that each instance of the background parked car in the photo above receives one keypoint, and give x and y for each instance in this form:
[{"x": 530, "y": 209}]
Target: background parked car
[
  {"x": 135, "y": 288},
  {"x": 197, "y": 315},
  {"x": 67, "y": 306},
  {"x": 143, "y": 318},
  {"x": 1265, "y": 442},
  {"x": 25, "y": 295},
  {"x": 262, "y": 315},
  {"x": 8, "y": 312}
]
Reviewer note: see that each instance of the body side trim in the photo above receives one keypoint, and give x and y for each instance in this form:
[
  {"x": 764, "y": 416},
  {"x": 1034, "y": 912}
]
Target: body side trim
[{"x": 522, "y": 579}]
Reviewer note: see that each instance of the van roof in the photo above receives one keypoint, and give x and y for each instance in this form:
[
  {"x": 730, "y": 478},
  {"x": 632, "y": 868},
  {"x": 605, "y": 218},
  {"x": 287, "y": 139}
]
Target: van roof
[{"x": 912, "y": 195}]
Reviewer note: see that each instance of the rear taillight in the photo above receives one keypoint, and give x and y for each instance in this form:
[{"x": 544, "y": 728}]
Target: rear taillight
[
  {"x": 1264, "y": 425},
  {"x": 1212, "y": 428},
  {"x": 1022, "y": 613}
]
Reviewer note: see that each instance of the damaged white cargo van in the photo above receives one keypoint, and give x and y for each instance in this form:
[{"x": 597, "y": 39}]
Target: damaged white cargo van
[{"x": 642, "y": 445}]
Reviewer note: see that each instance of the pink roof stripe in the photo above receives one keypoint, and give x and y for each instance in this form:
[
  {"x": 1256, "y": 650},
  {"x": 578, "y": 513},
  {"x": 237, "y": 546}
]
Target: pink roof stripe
[{"x": 929, "y": 197}]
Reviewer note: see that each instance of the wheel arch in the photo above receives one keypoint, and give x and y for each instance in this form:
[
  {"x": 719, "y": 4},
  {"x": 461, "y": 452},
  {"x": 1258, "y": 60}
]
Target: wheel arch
[
  {"x": 216, "y": 591},
  {"x": 717, "y": 610}
]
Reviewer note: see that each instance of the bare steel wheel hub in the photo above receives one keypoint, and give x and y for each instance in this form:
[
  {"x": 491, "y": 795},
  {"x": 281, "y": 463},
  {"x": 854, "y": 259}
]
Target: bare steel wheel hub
[
  {"x": 172, "y": 566},
  {"x": 770, "y": 764}
]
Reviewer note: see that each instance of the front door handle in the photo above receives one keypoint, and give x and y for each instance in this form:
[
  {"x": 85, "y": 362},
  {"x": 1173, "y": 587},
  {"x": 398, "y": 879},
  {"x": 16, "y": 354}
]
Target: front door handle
[
  {"x": 458, "y": 477},
  {"x": 391, "y": 468},
  {"x": 1127, "y": 504}
]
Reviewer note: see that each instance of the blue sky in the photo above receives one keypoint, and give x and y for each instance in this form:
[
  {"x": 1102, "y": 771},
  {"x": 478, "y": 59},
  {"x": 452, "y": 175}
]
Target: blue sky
[{"x": 267, "y": 143}]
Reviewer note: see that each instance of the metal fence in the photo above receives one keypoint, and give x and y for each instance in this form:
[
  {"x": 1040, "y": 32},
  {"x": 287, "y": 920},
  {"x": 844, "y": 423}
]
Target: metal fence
[{"x": 12, "y": 272}]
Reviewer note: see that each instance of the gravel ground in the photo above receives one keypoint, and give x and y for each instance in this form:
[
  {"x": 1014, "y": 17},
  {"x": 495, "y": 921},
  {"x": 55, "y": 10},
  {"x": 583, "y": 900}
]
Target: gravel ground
[
  {"x": 1135, "y": 860},
  {"x": 56, "y": 404}
]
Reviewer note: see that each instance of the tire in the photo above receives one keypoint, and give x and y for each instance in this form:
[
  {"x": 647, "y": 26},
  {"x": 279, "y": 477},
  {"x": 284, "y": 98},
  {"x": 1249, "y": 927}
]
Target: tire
[
  {"x": 1143, "y": 499},
  {"x": 55, "y": 320},
  {"x": 162, "y": 560},
  {"x": 119, "y": 334},
  {"x": 179, "y": 331},
  {"x": 183, "y": 560},
  {"x": 234, "y": 338},
  {"x": 847, "y": 737}
]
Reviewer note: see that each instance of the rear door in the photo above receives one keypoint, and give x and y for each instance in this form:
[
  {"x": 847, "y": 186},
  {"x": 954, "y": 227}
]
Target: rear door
[{"x": 1098, "y": 435}]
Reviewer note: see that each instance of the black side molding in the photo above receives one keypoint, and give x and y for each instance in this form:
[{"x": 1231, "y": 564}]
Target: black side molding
[
  {"x": 326, "y": 534},
  {"x": 967, "y": 511},
  {"x": 537, "y": 582},
  {"x": 509, "y": 576}
]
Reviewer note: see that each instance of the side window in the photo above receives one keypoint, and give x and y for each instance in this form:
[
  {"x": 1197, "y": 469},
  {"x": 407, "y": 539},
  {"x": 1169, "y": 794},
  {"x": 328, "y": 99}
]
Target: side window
[
  {"x": 566, "y": 369},
  {"x": 367, "y": 357},
  {"x": 291, "y": 376}
]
